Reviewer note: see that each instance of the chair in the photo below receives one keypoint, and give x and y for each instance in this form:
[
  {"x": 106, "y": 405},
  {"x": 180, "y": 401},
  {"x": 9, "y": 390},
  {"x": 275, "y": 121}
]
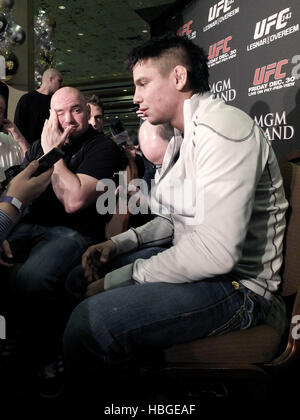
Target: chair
[{"x": 259, "y": 355}]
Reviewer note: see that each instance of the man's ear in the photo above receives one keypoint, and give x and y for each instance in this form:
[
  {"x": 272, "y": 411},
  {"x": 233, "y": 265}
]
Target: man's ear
[{"x": 180, "y": 77}]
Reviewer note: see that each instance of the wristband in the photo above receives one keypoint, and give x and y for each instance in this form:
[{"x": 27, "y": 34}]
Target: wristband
[{"x": 13, "y": 201}]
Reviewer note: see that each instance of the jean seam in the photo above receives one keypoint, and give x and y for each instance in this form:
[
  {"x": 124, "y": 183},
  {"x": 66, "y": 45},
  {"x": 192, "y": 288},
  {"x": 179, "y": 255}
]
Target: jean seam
[{"x": 231, "y": 324}]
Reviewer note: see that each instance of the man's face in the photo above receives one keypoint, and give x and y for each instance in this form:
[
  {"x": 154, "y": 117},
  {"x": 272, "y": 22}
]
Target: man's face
[
  {"x": 96, "y": 119},
  {"x": 72, "y": 111},
  {"x": 154, "y": 93}
]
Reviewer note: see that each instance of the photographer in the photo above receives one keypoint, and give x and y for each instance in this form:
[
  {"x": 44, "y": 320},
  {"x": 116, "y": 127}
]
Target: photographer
[{"x": 21, "y": 191}]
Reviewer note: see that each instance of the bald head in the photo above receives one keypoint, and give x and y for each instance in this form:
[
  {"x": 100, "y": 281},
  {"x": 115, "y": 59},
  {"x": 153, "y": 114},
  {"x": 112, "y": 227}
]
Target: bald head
[
  {"x": 71, "y": 109},
  {"x": 50, "y": 73},
  {"x": 65, "y": 93},
  {"x": 153, "y": 141},
  {"x": 51, "y": 81}
]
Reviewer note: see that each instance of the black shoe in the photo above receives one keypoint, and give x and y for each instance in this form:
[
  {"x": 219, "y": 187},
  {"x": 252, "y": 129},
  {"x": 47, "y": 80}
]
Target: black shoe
[{"x": 51, "y": 379}]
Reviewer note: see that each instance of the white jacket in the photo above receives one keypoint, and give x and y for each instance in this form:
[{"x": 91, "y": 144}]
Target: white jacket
[{"x": 232, "y": 220}]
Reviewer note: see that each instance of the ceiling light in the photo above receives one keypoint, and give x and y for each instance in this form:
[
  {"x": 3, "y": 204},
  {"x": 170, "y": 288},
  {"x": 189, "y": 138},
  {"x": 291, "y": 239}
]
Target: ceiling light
[
  {"x": 69, "y": 50},
  {"x": 80, "y": 33},
  {"x": 124, "y": 90},
  {"x": 61, "y": 7},
  {"x": 145, "y": 31},
  {"x": 126, "y": 116}
]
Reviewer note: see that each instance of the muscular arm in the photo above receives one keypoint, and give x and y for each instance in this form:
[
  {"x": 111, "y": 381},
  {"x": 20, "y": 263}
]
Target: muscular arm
[{"x": 75, "y": 191}]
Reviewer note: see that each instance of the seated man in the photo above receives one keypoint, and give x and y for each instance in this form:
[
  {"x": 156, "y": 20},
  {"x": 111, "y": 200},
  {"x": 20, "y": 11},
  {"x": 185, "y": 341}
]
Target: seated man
[
  {"x": 63, "y": 221},
  {"x": 226, "y": 224}
]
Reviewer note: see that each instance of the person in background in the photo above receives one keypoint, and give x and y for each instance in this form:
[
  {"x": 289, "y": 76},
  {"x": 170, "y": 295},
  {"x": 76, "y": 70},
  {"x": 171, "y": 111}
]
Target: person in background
[
  {"x": 33, "y": 107},
  {"x": 153, "y": 143},
  {"x": 21, "y": 191},
  {"x": 13, "y": 144},
  {"x": 96, "y": 112}
]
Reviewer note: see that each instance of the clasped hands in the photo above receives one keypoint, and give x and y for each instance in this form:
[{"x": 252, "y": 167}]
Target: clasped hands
[{"x": 92, "y": 260}]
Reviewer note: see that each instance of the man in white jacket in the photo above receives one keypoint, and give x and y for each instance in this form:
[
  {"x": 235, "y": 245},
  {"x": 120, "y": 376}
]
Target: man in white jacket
[{"x": 224, "y": 223}]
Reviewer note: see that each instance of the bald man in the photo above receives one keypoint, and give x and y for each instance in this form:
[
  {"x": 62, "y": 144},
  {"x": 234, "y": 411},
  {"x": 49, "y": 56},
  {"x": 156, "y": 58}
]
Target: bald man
[
  {"x": 63, "y": 221},
  {"x": 33, "y": 108},
  {"x": 154, "y": 140}
]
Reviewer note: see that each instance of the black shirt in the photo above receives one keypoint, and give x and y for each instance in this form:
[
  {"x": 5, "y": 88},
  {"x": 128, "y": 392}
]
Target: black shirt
[
  {"x": 31, "y": 112},
  {"x": 92, "y": 154}
]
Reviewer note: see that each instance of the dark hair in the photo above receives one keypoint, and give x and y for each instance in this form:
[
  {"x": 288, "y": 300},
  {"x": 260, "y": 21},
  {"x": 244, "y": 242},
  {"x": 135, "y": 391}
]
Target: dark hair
[
  {"x": 178, "y": 48},
  {"x": 95, "y": 100}
]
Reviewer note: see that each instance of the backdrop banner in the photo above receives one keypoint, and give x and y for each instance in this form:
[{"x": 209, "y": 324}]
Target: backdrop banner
[{"x": 253, "y": 50}]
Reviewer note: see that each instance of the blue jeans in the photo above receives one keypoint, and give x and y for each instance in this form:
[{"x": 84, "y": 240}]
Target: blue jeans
[
  {"x": 107, "y": 333},
  {"x": 47, "y": 255}
]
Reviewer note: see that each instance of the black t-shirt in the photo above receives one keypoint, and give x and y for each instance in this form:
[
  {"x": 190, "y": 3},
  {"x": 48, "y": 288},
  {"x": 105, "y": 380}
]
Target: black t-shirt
[
  {"x": 92, "y": 154},
  {"x": 31, "y": 112}
]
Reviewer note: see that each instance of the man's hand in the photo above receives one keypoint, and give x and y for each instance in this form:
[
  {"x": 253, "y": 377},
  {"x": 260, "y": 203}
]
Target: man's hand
[
  {"x": 5, "y": 251},
  {"x": 52, "y": 135},
  {"x": 96, "y": 287},
  {"x": 10, "y": 127},
  {"x": 141, "y": 114},
  {"x": 25, "y": 187},
  {"x": 94, "y": 258}
]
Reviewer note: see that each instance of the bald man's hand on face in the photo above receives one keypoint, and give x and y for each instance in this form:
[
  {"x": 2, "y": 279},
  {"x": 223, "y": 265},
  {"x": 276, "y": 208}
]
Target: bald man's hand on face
[{"x": 52, "y": 134}]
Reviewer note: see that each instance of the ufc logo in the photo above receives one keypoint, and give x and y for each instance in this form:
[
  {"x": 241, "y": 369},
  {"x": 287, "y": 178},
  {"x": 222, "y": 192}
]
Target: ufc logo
[
  {"x": 215, "y": 10},
  {"x": 215, "y": 49},
  {"x": 278, "y": 20},
  {"x": 263, "y": 74},
  {"x": 185, "y": 29}
]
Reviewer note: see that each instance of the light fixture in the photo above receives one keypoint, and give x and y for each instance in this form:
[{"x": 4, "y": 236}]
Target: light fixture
[
  {"x": 69, "y": 50},
  {"x": 145, "y": 31},
  {"x": 61, "y": 7},
  {"x": 80, "y": 33},
  {"x": 124, "y": 90},
  {"x": 92, "y": 77}
]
